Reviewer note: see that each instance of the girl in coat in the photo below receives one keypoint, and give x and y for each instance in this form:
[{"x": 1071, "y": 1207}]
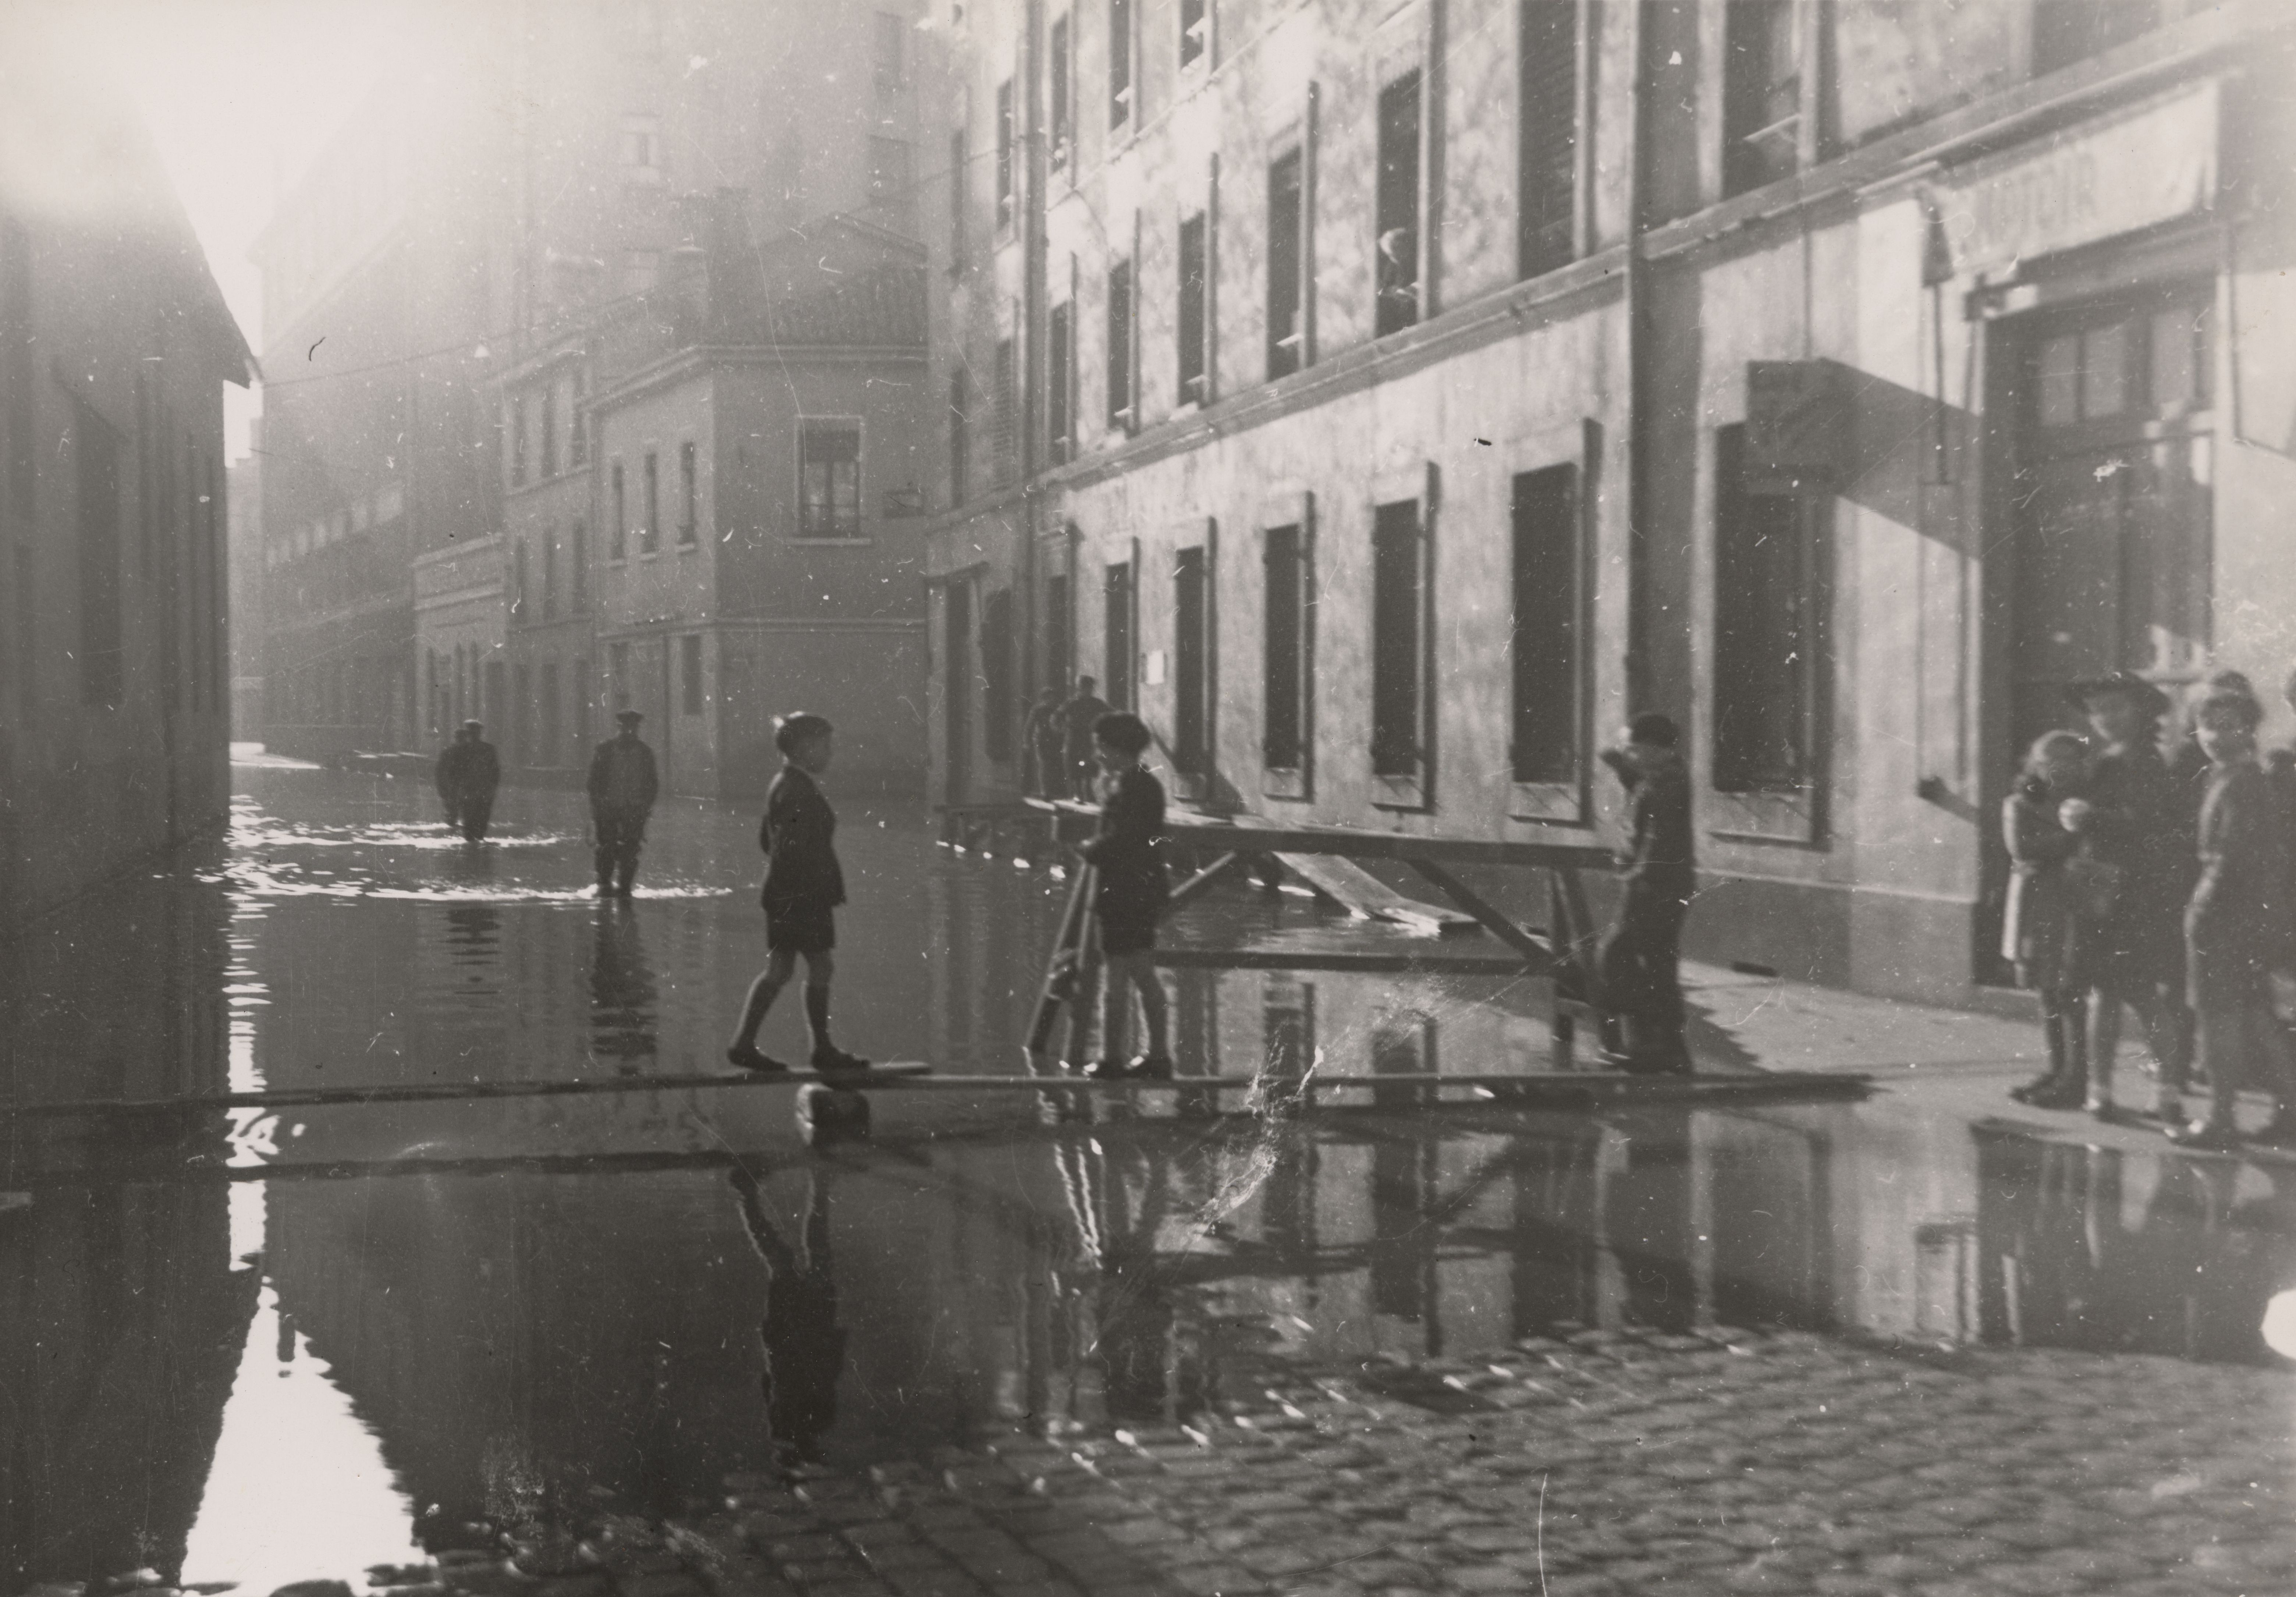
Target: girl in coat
[{"x": 2038, "y": 933}]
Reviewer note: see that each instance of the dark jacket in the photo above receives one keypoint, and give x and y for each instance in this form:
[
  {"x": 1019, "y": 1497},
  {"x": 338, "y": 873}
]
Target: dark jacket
[
  {"x": 1047, "y": 726},
  {"x": 1124, "y": 850},
  {"x": 622, "y": 775},
  {"x": 798, "y": 835},
  {"x": 1661, "y": 855},
  {"x": 1077, "y": 717},
  {"x": 2037, "y": 931},
  {"x": 469, "y": 769},
  {"x": 2239, "y": 902},
  {"x": 2141, "y": 822}
]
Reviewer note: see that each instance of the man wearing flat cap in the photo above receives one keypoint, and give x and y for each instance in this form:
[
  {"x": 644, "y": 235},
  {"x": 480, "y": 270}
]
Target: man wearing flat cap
[{"x": 623, "y": 786}]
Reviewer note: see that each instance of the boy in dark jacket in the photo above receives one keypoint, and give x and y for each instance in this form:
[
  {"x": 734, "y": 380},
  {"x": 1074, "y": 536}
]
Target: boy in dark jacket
[
  {"x": 1130, "y": 898},
  {"x": 1641, "y": 960},
  {"x": 804, "y": 886}
]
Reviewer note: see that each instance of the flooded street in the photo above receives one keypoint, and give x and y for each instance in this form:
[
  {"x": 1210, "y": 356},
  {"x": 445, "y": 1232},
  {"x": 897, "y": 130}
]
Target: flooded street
[{"x": 257, "y": 1347}]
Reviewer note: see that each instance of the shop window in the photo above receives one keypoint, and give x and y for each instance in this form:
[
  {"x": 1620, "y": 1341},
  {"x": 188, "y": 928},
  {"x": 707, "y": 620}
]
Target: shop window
[
  {"x": 520, "y": 717},
  {"x": 1398, "y": 642},
  {"x": 649, "y": 530},
  {"x": 1116, "y": 663},
  {"x": 1398, "y": 220},
  {"x": 1120, "y": 62},
  {"x": 1286, "y": 684},
  {"x": 689, "y": 495},
  {"x": 1768, "y": 612},
  {"x": 1761, "y": 93},
  {"x": 996, "y": 675},
  {"x": 1120, "y": 408},
  {"x": 1059, "y": 380},
  {"x": 1287, "y": 278},
  {"x": 2065, "y": 31},
  {"x": 1192, "y": 716},
  {"x": 1548, "y": 129},
  {"x": 689, "y": 673},
  {"x": 1548, "y": 644},
  {"x": 1195, "y": 326},
  {"x": 551, "y": 747},
  {"x": 1060, "y": 94},
  {"x": 829, "y": 480}
]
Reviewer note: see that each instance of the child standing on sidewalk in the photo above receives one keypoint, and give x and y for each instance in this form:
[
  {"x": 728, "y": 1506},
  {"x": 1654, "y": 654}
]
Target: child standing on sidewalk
[
  {"x": 1130, "y": 897},
  {"x": 804, "y": 886},
  {"x": 2036, "y": 933}
]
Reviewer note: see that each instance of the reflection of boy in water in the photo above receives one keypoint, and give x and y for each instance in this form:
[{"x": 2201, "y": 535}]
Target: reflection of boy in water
[{"x": 803, "y": 1344}]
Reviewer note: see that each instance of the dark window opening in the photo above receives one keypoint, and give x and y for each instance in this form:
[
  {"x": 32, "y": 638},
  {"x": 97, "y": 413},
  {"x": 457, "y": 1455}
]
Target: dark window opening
[
  {"x": 829, "y": 480},
  {"x": 960, "y": 434},
  {"x": 1767, "y": 597},
  {"x": 578, "y": 560},
  {"x": 996, "y": 675},
  {"x": 1399, "y": 598},
  {"x": 1119, "y": 62},
  {"x": 891, "y": 46},
  {"x": 960, "y": 158},
  {"x": 551, "y": 747},
  {"x": 1284, "y": 695},
  {"x": 577, "y": 430},
  {"x": 1116, "y": 664},
  {"x": 1761, "y": 94},
  {"x": 549, "y": 433},
  {"x": 617, "y": 534},
  {"x": 649, "y": 530},
  {"x": 1005, "y": 165},
  {"x": 102, "y": 664},
  {"x": 1287, "y": 332},
  {"x": 2065, "y": 31},
  {"x": 1195, "y": 31},
  {"x": 1548, "y": 655},
  {"x": 1397, "y": 221},
  {"x": 1548, "y": 128},
  {"x": 1007, "y": 418},
  {"x": 1194, "y": 327},
  {"x": 549, "y": 577},
  {"x": 1060, "y": 96},
  {"x": 516, "y": 443},
  {"x": 1119, "y": 346},
  {"x": 1190, "y": 664},
  {"x": 517, "y": 609},
  {"x": 1059, "y": 380},
  {"x": 689, "y": 650},
  {"x": 689, "y": 488},
  {"x": 1058, "y": 647}
]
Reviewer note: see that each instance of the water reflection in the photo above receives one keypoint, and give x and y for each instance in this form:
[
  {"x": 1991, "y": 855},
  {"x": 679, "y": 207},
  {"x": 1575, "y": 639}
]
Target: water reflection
[{"x": 524, "y": 1310}]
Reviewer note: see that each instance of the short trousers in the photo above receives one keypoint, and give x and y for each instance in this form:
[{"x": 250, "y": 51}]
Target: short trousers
[{"x": 801, "y": 929}]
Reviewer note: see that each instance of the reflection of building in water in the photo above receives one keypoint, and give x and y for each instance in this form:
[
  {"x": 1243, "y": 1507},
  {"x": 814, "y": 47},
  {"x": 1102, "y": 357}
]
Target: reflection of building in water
[
  {"x": 121, "y": 1322},
  {"x": 2091, "y": 1248},
  {"x": 565, "y": 1329}
]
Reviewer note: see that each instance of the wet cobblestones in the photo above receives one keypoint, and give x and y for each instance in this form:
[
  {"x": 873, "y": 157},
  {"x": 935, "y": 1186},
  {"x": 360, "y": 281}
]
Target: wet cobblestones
[{"x": 1729, "y": 1462}]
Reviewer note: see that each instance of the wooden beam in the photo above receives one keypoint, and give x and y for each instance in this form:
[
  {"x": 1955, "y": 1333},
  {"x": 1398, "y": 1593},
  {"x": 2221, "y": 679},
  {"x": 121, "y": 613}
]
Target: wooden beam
[
  {"x": 1355, "y": 843},
  {"x": 1540, "y": 956},
  {"x": 1434, "y": 961},
  {"x": 1201, "y": 883},
  {"x": 1365, "y": 896}
]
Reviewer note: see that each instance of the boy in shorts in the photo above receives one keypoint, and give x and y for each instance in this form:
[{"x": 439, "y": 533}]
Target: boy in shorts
[
  {"x": 804, "y": 886},
  {"x": 1129, "y": 899}
]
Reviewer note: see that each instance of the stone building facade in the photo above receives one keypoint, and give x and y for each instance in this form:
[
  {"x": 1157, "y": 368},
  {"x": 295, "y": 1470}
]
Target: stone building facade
[
  {"x": 115, "y": 343},
  {"x": 1386, "y": 400}
]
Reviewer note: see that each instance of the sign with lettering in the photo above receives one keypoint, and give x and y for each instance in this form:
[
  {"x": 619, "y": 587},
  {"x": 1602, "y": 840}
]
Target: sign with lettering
[{"x": 2098, "y": 179}]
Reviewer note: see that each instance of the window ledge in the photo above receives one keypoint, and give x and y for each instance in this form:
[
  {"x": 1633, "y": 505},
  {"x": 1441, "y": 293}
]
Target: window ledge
[
  {"x": 853, "y": 543},
  {"x": 1286, "y": 783},
  {"x": 1551, "y": 803}
]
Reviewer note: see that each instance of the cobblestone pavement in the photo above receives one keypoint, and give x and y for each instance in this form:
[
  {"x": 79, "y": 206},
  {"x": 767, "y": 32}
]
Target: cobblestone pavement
[{"x": 1602, "y": 1464}]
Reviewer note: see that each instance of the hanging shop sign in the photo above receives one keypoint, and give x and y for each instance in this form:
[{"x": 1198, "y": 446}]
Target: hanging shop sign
[
  {"x": 1796, "y": 422},
  {"x": 2136, "y": 170}
]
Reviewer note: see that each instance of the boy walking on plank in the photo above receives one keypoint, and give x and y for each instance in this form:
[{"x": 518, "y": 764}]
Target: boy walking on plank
[
  {"x": 804, "y": 886},
  {"x": 1130, "y": 897}
]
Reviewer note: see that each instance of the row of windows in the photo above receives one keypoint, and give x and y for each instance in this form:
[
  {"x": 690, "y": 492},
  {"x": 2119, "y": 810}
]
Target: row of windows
[
  {"x": 375, "y": 510},
  {"x": 1770, "y": 565},
  {"x": 546, "y": 427}
]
